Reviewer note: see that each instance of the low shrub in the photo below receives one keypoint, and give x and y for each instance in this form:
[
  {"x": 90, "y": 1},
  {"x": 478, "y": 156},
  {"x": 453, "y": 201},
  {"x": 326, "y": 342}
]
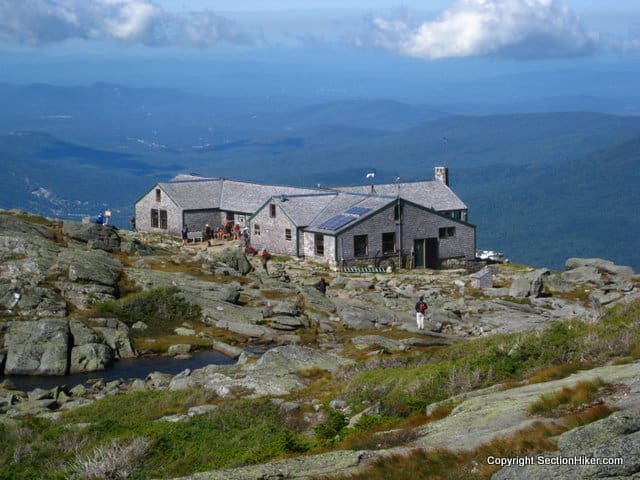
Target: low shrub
[
  {"x": 583, "y": 393},
  {"x": 111, "y": 462},
  {"x": 556, "y": 372},
  {"x": 125, "y": 430},
  {"x": 328, "y": 430},
  {"x": 161, "y": 309}
]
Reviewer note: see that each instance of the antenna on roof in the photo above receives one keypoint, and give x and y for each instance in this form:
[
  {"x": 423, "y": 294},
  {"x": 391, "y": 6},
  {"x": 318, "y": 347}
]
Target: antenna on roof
[{"x": 445, "y": 142}]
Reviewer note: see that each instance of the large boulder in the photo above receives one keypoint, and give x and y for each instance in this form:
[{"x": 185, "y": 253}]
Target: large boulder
[
  {"x": 599, "y": 272},
  {"x": 37, "y": 347},
  {"x": 90, "y": 357},
  {"x": 81, "y": 334},
  {"x": 84, "y": 295},
  {"x": 11, "y": 225},
  {"x": 102, "y": 237},
  {"x": 357, "y": 314},
  {"x": 529, "y": 285},
  {"x": 230, "y": 293},
  {"x": 235, "y": 259},
  {"x": 247, "y": 329},
  {"x": 40, "y": 302},
  {"x": 116, "y": 335},
  {"x": 92, "y": 266},
  {"x": 378, "y": 341},
  {"x": 289, "y": 359}
]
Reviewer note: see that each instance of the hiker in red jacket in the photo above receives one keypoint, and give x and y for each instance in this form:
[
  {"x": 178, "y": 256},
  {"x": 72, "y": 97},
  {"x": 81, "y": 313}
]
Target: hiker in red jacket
[
  {"x": 421, "y": 309},
  {"x": 264, "y": 258}
]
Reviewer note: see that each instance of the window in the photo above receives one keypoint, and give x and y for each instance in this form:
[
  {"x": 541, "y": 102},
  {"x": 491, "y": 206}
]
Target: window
[
  {"x": 446, "y": 232},
  {"x": 360, "y": 245},
  {"x": 287, "y": 234},
  {"x": 163, "y": 219},
  {"x": 158, "y": 218},
  {"x": 397, "y": 212},
  {"x": 319, "y": 243},
  {"x": 154, "y": 218},
  {"x": 389, "y": 242},
  {"x": 158, "y": 197},
  {"x": 230, "y": 216},
  {"x": 272, "y": 210},
  {"x": 256, "y": 229}
]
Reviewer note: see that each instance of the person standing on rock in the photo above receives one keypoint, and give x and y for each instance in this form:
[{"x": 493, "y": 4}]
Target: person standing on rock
[
  {"x": 321, "y": 286},
  {"x": 264, "y": 259},
  {"x": 185, "y": 235},
  {"x": 421, "y": 309}
]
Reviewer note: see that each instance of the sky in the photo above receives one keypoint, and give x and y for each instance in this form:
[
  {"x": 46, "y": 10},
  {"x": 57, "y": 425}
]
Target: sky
[
  {"x": 460, "y": 37},
  {"x": 427, "y": 30}
]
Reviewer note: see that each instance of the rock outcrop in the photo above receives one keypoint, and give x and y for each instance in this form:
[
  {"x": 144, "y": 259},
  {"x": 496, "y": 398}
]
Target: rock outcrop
[
  {"x": 37, "y": 347},
  {"x": 616, "y": 437}
]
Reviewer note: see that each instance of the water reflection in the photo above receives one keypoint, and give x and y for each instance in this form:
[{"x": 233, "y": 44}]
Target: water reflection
[{"x": 125, "y": 369}]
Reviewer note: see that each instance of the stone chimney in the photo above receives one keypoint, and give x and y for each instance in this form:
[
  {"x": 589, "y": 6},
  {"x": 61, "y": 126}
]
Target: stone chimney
[{"x": 442, "y": 175}]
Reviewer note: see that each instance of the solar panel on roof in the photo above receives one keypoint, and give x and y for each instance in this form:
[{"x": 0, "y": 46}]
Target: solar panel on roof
[
  {"x": 334, "y": 223},
  {"x": 358, "y": 210}
]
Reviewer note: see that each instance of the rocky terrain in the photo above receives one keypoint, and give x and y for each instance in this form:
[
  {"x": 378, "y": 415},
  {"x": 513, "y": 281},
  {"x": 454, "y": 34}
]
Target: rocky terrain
[{"x": 60, "y": 284}]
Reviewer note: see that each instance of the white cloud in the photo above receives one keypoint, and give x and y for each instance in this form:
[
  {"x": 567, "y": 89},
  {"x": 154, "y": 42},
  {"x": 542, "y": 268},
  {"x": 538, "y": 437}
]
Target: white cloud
[
  {"x": 509, "y": 28},
  {"x": 37, "y": 22}
]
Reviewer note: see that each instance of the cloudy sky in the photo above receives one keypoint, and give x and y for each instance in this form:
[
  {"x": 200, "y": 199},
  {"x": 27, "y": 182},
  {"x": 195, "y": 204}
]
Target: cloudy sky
[
  {"x": 460, "y": 28},
  {"x": 432, "y": 33}
]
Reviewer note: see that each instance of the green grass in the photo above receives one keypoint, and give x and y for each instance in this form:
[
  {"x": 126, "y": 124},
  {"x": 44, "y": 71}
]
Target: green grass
[{"x": 204, "y": 442}]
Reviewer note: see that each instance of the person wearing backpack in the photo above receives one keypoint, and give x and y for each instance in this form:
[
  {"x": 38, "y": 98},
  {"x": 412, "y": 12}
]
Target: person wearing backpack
[{"x": 421, "y": 309}]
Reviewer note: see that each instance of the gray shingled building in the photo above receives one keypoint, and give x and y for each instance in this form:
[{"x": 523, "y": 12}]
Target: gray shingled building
[{"x": 416, "y": 224}]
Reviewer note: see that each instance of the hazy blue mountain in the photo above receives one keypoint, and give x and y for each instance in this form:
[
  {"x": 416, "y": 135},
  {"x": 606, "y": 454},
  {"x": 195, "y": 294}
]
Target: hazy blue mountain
[
  {"x": 369, "y": 114},
  {"x": 163, "y": 120},
  {"x": 586, "y": 207},
  {"x": 521, "y": 139},
  {"x": 48, "y": 176}
]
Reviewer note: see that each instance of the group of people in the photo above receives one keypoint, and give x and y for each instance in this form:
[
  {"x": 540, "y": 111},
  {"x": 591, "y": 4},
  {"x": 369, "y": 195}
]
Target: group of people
[
  {"x": 103, "y": 218},
  {"x": 228, "y": 231}
]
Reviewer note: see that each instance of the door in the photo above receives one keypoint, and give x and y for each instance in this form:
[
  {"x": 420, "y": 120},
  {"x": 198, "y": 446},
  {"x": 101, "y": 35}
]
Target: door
[
  {"x": 431, "y": 255},
  {"x": 418, "y": 253},
  {"x": 425, "y": 253}
]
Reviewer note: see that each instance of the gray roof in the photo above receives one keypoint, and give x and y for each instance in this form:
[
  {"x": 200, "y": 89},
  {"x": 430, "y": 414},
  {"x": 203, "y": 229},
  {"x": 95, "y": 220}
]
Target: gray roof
[
  {"x": 432, "y": 194},
  {"x": 249, "y": 197},
  {"x": 194, "y": 194},
  {"x": 302, "y": 209},
  {"x": 305, "y": 206}
]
